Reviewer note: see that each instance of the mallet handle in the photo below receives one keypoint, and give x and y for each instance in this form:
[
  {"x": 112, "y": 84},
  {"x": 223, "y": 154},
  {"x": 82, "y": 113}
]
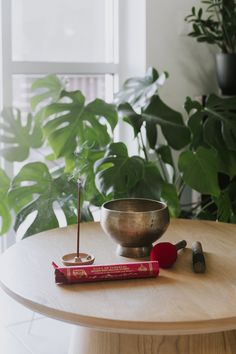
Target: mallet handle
[{"x": 180, "y": 244}]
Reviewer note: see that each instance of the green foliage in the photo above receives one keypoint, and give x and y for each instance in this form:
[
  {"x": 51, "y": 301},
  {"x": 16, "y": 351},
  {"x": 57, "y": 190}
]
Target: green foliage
[
  {"x": 209, "y": 166},
  {"x": 218, "y": 26},
  {"x": 157, "y": 113},
  {"x": 18, "y": 137},
  {"x": 71, "y": 123},
  {"x": 34, "y": 182},
  {"x": 198, "y": 153},
  {"x": 47, "y": 89},
  {"x": 85, "y": 159},
  {"x": 5, "y": 215},
  {"x": 170, "y": 195},
  {"x": 119, "y": 175},
  {"x": 200, "y": 170},
  {"x": 171, "y": 123},
  {"x": 222, "y": 111},
  {"x": 214, "y": 125},
  {"x": 137, "y": 91},
  {"x": 76, "y": 133}
]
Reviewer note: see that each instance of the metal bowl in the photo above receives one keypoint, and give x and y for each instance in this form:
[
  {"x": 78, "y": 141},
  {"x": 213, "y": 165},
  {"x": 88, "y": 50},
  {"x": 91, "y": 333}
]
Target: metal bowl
[{"x": 134, "y": 224}]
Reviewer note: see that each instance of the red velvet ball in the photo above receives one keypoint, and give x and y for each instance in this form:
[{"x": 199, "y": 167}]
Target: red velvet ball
[{"x": 165, "y": 253}]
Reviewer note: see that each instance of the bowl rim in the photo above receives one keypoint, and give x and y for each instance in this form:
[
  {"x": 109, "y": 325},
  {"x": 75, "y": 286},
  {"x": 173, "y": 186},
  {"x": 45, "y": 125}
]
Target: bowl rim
[{"x": 164, "y": 205}]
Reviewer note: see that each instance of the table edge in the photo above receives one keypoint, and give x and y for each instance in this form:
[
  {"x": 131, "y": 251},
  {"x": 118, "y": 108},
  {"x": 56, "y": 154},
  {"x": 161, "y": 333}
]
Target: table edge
[{"x": 129, "y": 327}]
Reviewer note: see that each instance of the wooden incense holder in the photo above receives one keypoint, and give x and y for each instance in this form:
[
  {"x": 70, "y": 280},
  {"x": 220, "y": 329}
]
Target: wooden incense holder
[
  {"x": 78, "y": 258},
  {"x": 71, "y": 259}
]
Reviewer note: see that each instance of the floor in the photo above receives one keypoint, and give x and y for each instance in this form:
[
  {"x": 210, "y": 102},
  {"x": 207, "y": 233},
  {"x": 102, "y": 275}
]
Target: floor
[{"x": 25, "y": 332}]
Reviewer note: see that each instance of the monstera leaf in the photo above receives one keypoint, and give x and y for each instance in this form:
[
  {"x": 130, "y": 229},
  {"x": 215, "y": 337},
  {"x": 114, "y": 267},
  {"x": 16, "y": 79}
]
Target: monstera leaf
[
  {"x": 35, "y": 182},
  {"x": 18, "y": 136},
  {"x": 170, "y": 196},
  {"x": 128, "y": 114},
  {"x": 226, "y": 206},
  {"x": 223, "y": 110},
  {"x": 46, "y": 90},
  {"x": 137, "y": 91},
  {"x": 136, "y": 121},
  {"x": 149, "y": 184},
  {"x": 120, "y": 176},
  {"x": 151, "y": 134},
  {"x": 85, "y": 159},
  {"x": 166, "y": 154},
  {"x": 217, "y": 114},
  {"x": 117, "y": 173},
  {"x": 5, "y": 215},
  {"x": 214, "y": 125},
  {"x": 157, "y": 113},
  {"x": 166, "y": 162},
  {"x": 200, "y": 170},
  {"x": 213, "y": 134},
  {"x": 71, "y": 122},
  {"x": 171, "y": 122}
]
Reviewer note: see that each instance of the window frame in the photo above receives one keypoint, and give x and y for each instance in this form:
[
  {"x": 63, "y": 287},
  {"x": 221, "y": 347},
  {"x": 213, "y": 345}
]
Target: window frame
[
  {"x": 10, "y": 67},
  {"x": 129, "y": 60}
]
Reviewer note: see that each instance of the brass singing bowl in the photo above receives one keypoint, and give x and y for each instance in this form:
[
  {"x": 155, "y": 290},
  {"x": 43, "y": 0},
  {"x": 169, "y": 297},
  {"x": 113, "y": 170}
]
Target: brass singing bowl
[{"x": 135, "y": 224}]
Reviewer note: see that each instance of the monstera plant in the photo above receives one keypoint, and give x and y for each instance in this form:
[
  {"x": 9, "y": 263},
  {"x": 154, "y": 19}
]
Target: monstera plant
[
  {"x": 66, "y": 128},
  {"x": 75, "y": 141}
]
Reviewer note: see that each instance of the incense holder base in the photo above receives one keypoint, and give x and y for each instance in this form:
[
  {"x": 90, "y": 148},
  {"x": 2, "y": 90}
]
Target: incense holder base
[{"x": 72, "y": 259}]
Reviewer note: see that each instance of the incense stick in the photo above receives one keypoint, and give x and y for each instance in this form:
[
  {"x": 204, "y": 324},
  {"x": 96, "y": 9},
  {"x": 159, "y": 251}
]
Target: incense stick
[
  {"x": 78, "y": 220},
  {"x": 78, "y": 258}
]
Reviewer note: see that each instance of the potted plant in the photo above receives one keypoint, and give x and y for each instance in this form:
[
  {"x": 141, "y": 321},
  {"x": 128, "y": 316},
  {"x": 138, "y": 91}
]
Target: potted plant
[
  {"x": 206, "y": 161},
  {"x": 79, "y": 137},
  {"x": 218, "y": 27}
]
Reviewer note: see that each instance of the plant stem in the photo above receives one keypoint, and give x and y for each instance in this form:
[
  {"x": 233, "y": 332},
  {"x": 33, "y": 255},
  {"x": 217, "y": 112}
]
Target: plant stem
[
  {"x": 163, "y": 168},
  {"x": 179, "y": 185},
  {"x": 143, "y": 147},
  {"x": 205, "y": 207},
  {"x": 181, "y": 189}
]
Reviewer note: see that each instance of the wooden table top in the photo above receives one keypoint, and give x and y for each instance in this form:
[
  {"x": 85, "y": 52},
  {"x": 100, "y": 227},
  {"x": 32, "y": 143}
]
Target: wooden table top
[{"x": 178, "y": 301}]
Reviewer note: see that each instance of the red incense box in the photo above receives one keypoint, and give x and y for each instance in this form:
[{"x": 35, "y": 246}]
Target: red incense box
[{"x": 92, "y": 273}]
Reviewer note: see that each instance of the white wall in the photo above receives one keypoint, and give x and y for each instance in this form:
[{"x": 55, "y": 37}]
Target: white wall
[
  {"x": 190, "y": 64},
  {"x": 132, "y": 40}
]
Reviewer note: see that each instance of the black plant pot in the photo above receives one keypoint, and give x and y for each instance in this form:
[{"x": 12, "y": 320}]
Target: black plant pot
[{"x": 226, "y": 73}]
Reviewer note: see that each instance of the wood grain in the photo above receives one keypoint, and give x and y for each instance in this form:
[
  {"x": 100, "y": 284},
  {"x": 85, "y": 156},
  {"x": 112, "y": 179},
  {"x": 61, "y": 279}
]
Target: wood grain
[
  {"x": 178, "y": 302},
  {"x": 87, "y": 341}
]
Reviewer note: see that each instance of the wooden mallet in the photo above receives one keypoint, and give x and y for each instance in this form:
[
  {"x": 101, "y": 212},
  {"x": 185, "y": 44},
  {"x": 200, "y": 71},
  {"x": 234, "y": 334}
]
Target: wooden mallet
[{"x": 166, "y": 253}]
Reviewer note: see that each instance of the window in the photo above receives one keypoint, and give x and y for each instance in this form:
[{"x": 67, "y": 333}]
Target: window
[
  {"x": 66, "y": 37},
  {"x": 63, "y": 30},
  {"x": 92, "y": 44},
  {"x": 74, "y": 39}
]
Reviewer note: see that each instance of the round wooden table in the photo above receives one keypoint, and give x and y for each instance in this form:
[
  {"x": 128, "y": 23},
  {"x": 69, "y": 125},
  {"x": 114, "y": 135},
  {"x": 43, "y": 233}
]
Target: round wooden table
[{"x": 177, "y": 312}]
